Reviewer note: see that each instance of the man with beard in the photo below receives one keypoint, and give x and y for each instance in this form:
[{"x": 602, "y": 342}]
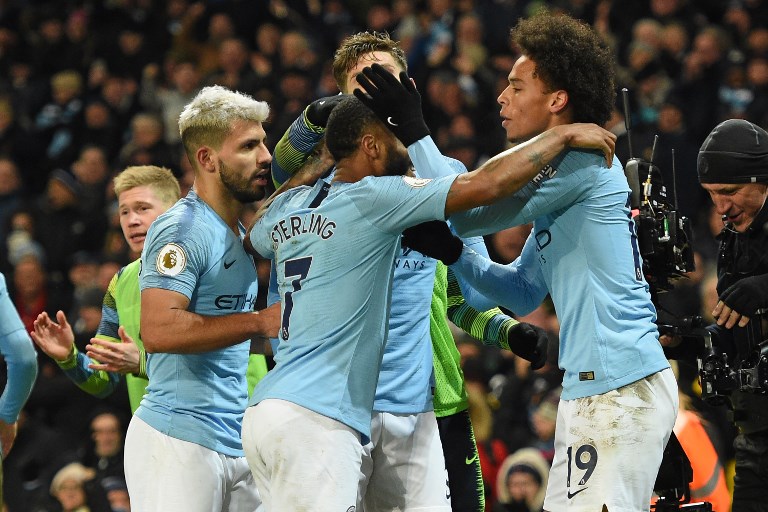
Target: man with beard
[
  {"x": 311, "y": 415},
  {"x": 198, "y": 289}
]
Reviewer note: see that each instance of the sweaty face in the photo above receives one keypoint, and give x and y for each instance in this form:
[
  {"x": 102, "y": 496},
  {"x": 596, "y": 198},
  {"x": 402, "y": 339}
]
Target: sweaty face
[
  {"x": 739, "y": 203},
  {"x": 243, "y": 161},
  {"x": 525, "y": 103},
  {"x": 138, "y": 208},
  {"x": 383, "y": 58}
]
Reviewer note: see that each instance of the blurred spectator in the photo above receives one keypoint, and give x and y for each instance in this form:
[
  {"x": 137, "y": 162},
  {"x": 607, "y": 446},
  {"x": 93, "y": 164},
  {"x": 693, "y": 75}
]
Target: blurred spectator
[
  {"x": 204, "y": 47},
  {"x": 119, "y": 95},
  {"x": 169, "y": 100},
  {"x": 146, "y": 145},
  {"x": 674, "y": 45},
  {"x": 735, "y": 95},
  {"x": 62, "y": 228},
  {"x": 30, "y": 465},
  {"x": 129, "y": 54},
  {"x": 10, "y": 193},
  {"x": 117, "y": 493},
  {"x": 105, "y": 451},
  {"x": 19, "y": 145},
  {"x": 699, "y": 83},
  {"x": 234, "y": 68},
  {"x": 86, "y": 315},
  {"x": 31, "y": 292},
  {"x": 57, "y": 120},
  {"x": 83, "y": 274},
  {"x": 522, "y": 482},
  {"x": 91, "y": 169},
  {"x": 75, "y": 490},
  {"x": 543, "y": 420},
  {"x": 99, "y": 128}
]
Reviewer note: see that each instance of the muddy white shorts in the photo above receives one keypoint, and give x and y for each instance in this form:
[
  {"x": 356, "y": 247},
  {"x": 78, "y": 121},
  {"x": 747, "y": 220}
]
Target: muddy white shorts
[{"x": 608, "y": 447}]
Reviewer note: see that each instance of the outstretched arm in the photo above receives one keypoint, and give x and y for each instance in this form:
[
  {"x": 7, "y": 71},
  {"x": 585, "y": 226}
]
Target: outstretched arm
[
  {"x": 398, "y": 104},
  {"x": 58, "y": 341},
  {"x": 519, "y": 286},
  {"x": 496, "y": 329}
]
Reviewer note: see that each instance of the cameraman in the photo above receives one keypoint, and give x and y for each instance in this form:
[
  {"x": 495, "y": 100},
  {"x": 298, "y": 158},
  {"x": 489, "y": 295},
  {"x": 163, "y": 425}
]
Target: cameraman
[{"x": 733, "y": 168}]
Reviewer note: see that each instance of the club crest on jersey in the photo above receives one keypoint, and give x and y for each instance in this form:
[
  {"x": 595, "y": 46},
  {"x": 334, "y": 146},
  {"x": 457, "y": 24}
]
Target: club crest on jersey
[
  {"x": 415, "y": 182},
  {"x": 171, "y": 260}
]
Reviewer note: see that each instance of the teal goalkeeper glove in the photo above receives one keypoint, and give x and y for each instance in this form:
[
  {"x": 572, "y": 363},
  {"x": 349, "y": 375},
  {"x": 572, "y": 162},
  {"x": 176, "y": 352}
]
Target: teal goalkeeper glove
[{"x": 396, "y": 102}]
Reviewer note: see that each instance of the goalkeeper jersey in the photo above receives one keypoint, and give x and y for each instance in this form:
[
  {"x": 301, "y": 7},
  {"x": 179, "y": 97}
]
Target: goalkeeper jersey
[
  {"x": 121, "y": 306},
  {"x": 450, "y": 394}
]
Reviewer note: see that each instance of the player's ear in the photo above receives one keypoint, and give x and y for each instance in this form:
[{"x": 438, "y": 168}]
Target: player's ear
[
  {"x": 558, "y": 101},
  {"x": 205, "y": 160},
  {"x": 370, "y": 145}
]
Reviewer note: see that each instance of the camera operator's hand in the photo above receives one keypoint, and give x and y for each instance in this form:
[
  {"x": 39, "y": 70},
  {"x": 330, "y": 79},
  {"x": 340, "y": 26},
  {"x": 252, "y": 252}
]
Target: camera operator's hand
[
  {"x": 529, "y": 342},
  {"x": 741, "y": 301},
  {"x": 396, "y": 102},
  {"x": 434, "y": 239}
]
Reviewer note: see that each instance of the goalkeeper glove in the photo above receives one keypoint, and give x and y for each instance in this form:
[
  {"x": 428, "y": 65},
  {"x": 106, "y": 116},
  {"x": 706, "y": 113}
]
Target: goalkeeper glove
[
  {"x": 396, "y": 102},
  {"x": 434, "y": 239},
  {"x": 529, "y": 342},
  {"x": 318, "y": 111}
]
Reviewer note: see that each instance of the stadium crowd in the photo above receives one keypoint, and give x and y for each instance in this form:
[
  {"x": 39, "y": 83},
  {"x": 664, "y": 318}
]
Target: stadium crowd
[{"x": 89, "y": 88}]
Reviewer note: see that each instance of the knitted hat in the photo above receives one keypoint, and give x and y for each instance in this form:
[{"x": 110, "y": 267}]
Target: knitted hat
[{"x": 735, "y": 151}]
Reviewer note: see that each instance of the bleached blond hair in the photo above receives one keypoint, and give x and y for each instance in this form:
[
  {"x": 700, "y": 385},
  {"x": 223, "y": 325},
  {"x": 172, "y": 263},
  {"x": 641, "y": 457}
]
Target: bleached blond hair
[{"x": 207, "y": 120}]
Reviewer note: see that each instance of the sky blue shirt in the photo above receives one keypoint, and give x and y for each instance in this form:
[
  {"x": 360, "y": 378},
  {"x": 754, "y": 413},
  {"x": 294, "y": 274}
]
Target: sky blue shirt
[
  {"x": 334, "y": 266},
  {"x": 20, "y": 357},
  {"x": 199, "y": 397},
  {"x": 583, "y": 251}
]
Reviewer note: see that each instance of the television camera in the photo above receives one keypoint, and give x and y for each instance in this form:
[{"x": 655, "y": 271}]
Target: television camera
[{"x": 664, "y": 241}]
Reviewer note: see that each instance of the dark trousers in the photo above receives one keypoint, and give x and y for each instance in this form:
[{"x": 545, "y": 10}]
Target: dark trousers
[
  {"x": 750, "y": 485},
  {"x": 465, "y": 480}
]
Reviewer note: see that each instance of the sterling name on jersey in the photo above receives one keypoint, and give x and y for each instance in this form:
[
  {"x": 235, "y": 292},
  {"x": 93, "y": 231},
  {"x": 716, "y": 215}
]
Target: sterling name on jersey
[
  {"x": 334, "y": 264},
  {"x": 199, "y": 397}
]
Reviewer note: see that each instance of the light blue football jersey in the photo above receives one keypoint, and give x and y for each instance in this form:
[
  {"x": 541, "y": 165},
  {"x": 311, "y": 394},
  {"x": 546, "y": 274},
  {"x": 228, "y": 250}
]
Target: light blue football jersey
[
  {"x": 583, "y": 251},
  {"x": 334, "y": 265},
  {"x": 199, "y": 397}
]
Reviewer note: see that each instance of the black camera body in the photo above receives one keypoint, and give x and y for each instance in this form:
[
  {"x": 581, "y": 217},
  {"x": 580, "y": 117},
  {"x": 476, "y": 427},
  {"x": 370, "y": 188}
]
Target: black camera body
[
  {"x": 720, "y": 376},
  {"x": 663, "y": 234}
]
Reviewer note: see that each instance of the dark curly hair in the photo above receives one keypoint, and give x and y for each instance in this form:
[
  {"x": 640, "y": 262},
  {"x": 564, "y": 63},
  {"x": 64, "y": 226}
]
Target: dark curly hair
[
  {"x": 569, "y": 55},
  {"x": 346, "y": 125}
]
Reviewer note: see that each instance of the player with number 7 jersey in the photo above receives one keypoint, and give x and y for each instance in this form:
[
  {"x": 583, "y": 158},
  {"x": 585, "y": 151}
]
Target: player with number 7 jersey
[{"x": 309, "y": 417}]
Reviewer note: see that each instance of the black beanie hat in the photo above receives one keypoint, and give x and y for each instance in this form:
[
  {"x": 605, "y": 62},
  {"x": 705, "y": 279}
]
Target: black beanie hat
[{"x": 735, "y": 151}]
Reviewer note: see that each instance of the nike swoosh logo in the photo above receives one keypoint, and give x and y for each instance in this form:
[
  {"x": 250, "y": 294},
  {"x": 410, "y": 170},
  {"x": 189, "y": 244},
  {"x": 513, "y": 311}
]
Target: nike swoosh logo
[
  {"x": 322, "y": 103},
  {"x": 227, "y": 265},
  {"x": 470, "y": 461},
  {"x": 572, "y": 494},
  {"x": 389, "y": 120}
]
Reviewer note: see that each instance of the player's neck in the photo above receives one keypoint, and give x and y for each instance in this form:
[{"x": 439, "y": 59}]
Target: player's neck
[
  {"x": 347, "y": 172},
  {"x": 221, "y": 202}
]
